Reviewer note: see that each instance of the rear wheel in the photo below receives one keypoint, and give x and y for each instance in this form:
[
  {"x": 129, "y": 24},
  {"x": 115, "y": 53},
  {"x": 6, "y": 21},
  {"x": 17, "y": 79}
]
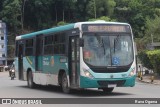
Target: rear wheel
[
  {"x": 107, "y": 90},
  {"x": 30, "y": 82},
  {"x": 65, "y": 87}
]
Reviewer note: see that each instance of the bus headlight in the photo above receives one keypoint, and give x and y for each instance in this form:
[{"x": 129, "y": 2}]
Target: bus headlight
[
  {"x": 132, "y": 73},
  {"x": 88, "y": 74}
]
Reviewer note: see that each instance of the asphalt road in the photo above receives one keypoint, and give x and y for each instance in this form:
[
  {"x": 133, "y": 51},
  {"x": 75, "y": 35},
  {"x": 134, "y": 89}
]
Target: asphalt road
[{"x": 18, "y": 89}]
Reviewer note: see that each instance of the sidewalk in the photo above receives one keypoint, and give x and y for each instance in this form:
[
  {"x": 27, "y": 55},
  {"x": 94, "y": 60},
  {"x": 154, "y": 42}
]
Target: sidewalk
[{"x": 147, "y": 79}]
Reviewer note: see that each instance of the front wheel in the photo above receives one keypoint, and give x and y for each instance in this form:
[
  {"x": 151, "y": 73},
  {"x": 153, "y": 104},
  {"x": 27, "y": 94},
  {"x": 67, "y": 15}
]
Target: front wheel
[
  {"x": 107, "y": 90},
  {"x": 12, "y": 76},
  {"x": 30, "y": 82},
  {"x": 65, "y": 87}
]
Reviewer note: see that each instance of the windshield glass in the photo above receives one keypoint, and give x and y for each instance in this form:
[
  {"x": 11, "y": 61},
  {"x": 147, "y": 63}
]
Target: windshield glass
[{"x": 107, "y": 49}]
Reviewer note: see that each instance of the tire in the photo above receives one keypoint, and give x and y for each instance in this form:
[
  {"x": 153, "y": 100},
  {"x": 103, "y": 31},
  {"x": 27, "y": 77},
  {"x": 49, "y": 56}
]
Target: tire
[
  {"x": 107, "y": 90},
  {"x": 64, "y": 85},
  {"x": 12, "y": 76},
  {"x": 30, "y": 82}
]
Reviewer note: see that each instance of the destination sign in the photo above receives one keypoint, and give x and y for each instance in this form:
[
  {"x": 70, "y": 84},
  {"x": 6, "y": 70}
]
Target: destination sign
[{"x": 105, "y": 28}]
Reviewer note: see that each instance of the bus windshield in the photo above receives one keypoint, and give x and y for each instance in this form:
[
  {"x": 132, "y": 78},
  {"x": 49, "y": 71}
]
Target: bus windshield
[{"x": 108, "y": 49}]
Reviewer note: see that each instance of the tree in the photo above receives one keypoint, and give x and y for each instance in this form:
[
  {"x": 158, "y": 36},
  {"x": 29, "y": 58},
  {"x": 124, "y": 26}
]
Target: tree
[
  {"x": 1, "y": 5},
  {"x": 11, "y": 14},
  {"x": 100, "y": 8},
  {"x": 152, "y": 28},
  {"x": 38, "y": 14}
]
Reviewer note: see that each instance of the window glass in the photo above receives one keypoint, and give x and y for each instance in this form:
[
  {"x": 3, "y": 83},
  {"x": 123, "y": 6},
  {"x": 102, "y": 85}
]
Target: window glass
[
  {"x": 29, "y": 47},
  {"x": 48, "y": 47},
  {"x": 108, "y": 50},
  {"x": 59, "y": 43},
  {"x": 48, "y": 40}
]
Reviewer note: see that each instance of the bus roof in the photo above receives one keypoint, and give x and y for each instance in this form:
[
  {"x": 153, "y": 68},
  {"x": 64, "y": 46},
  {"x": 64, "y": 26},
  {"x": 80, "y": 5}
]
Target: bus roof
[
  {"x": 101, "y": 21},
  {"x": 47, "y": 31},
  {"x": 65, "y": 27}
]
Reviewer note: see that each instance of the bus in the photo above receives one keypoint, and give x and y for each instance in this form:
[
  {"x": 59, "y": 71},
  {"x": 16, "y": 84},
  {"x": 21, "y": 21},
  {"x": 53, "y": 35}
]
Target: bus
[{"x": 81, "y": 55}]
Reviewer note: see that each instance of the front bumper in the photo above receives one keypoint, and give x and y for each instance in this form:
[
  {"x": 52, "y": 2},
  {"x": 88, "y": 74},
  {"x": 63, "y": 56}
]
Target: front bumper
[{"x": 100, "y": 83}]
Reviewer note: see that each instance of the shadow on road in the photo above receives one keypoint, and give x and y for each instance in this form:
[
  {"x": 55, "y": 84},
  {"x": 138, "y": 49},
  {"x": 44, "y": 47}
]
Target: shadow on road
[{"x": 78, "y": 93}]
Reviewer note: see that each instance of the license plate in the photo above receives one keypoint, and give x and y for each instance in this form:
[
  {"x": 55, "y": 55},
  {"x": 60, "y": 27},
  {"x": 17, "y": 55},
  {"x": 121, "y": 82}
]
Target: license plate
[{"x": 112, "y": 85}]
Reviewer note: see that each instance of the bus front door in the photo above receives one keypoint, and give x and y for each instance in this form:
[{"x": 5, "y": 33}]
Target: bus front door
[
  {"x": 20, "y": 61},
  {"x": 74, "y": 61}
]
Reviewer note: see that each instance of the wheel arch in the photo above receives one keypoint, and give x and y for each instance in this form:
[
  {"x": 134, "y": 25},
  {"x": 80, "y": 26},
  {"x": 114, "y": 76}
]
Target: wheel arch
[
  {"x": 60, "y": 73},
  {"x": 28, "y": 70}
]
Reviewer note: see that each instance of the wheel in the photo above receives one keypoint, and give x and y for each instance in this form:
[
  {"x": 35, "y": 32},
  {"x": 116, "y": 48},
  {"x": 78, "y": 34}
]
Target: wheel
[
  {"x": 12, "y": 76},
  {"x": 107, "y": 90},
  {"x": 30, "y": 82},
  {"x": 64, "y": 85}
]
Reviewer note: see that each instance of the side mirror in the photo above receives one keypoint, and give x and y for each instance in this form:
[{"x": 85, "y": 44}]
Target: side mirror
[{"x": 81, "y": 42}]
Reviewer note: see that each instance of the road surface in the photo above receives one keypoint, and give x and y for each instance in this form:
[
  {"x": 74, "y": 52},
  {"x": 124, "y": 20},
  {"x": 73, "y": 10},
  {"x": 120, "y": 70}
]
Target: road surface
[{"x": 18, "y": 89}]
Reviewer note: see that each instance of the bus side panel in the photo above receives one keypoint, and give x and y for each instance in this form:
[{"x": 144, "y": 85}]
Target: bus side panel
[
  {"x": 28, "y": 64},
  {"x": 50, "y": 70},
  {"x": 16, "y": 67},
  {"x": 40, "y": 63}
]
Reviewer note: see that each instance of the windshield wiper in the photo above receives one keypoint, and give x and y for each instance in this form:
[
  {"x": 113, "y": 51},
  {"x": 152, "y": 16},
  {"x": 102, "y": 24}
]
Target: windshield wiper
[
  {"x": 115, "y": 41},
  {"x": 101, "y": 42}
]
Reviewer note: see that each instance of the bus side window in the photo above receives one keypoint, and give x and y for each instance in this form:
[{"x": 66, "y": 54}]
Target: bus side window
[
  {"x": 48, "y": 45},
  {"x": 29, "y": 47},
  {"x": 59, "y": 43},
  {"x": 39, "y": 46}
]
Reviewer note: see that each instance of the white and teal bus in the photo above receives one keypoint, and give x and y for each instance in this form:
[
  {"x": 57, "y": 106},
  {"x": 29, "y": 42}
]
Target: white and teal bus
[{"x": 76, "y": 56}]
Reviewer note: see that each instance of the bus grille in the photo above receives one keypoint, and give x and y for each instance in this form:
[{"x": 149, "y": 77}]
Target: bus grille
[
  {"x": 103, "y": 83},
  {"x": 110, "y": 70}
]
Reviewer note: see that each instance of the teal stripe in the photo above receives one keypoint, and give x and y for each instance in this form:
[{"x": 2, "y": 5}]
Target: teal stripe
[{"x": 49, "y": 31}]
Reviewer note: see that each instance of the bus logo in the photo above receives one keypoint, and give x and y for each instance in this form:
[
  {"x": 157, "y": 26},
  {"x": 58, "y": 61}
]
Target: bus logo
[
  {"x": 52, "y": 61},
  {"x": 111, "y": 76}
]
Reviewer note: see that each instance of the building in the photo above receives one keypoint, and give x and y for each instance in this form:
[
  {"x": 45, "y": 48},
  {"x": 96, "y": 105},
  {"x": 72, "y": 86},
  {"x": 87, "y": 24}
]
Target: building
[
  {"x": 154, "y": 45},
  {"x": 3, "y": 44}
]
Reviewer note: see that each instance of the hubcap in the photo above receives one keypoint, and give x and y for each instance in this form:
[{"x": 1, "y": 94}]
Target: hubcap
[{"x": 65, "y": 84}]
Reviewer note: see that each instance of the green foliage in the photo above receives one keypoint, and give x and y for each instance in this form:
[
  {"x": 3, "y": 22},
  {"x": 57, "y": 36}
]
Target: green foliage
[
  {"x": 143, "y": 15},
  {"x": 61, "y": 23},
  {"x": 10, "y": 51},
  {"x": 152, "y": 29},
  {"x": 105, "y": 18},
  {"x": 150, "y": 59},
  {"x": 142, "y": 55},
  {"x": 11, "y": 13},
  {"x": 98, "y": 8},
  {"x": 154, "y": 57}
]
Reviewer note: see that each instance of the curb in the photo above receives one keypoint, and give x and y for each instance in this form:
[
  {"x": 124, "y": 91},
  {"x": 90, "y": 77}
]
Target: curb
[{"x": 148, "y": 82}]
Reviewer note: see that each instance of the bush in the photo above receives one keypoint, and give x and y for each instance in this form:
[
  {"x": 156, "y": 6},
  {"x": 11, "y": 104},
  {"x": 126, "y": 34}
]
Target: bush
[
  {"x": 61, "y": 23},
  {"x": 105, "y": 18},
  {"x": 154, "y": 57},
  {"x": 145, "y": 59}
]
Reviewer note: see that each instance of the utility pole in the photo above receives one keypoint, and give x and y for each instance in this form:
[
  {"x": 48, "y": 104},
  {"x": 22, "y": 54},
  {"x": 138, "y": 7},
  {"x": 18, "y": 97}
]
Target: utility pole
[
  {"x": 152, "y": 38},
  {"x": 95, "y": 13},
  {"x": 22, "y": 18}
]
